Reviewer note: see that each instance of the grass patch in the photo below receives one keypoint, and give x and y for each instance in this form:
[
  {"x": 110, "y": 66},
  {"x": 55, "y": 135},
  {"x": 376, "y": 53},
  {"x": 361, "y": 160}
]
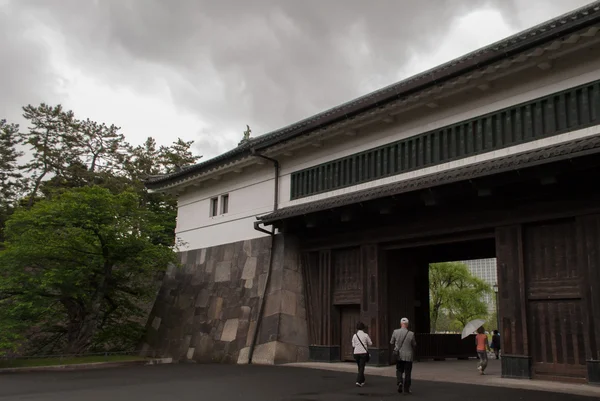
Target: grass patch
[{"x": 71, "y": 360}]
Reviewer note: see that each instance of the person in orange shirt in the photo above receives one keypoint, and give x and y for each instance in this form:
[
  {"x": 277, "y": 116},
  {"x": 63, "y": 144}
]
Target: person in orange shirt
[{"x": 483, "y": 346}]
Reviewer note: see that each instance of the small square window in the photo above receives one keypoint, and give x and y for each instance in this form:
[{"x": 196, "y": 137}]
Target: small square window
[
  {"x": 224, "y": 204},
  {"x": 214, "y": 209}
]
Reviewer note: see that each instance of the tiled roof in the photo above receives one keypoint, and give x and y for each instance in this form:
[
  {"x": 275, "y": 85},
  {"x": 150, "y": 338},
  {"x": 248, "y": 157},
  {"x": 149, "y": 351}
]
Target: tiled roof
[
  {"x": 531, "y": 158},
  {"x": 495, "y": 52}
]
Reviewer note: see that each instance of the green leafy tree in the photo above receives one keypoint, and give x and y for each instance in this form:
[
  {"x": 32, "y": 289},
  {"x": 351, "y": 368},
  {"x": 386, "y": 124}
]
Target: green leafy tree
[
  {"x": 75, "y": 268},
  {"x": 454, "y": 291}
]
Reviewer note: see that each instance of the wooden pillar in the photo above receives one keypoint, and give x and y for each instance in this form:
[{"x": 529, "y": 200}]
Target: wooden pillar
[
  {"x": 374, "y": 300},
  {"x": 323, "y": 322},
  {"x": 589, "y": 256},
  {"x": 402, "y": 270},
  {"x": 512, "y": 302},
  {"x": 422, "y": 322}
]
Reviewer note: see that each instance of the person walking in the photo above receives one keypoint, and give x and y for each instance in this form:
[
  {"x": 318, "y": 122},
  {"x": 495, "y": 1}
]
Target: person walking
[
  {"x": 360, "y": 343},
  {"x": 404, "y": 349},
  {"x": 496, "y": 343},
  {"x": 481, "y": 339}
]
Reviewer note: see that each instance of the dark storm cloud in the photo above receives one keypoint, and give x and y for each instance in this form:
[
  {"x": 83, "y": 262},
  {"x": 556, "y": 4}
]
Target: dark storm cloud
[
  {"x": 266, "y": 63},
  {"x": 25, "y": 76}
]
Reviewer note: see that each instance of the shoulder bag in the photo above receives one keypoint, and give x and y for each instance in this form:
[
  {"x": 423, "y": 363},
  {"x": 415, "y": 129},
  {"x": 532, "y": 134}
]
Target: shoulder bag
[
  {"x": 366, "y": 349},
  {"x": 397, "y": 352}
]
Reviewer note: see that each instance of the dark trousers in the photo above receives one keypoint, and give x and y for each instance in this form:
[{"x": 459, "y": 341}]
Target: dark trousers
[
  {"x": 361, "y": 361},
  {"x": 403, "y": 367}
]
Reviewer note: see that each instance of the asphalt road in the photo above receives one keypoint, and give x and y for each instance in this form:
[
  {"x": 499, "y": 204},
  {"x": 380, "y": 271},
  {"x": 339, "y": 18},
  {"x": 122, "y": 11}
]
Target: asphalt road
[{"x": 233, "y": 382}]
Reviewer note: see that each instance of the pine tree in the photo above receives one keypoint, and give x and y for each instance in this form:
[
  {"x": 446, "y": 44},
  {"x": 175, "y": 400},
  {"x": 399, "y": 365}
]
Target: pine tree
[
  {"x": 51, "y": 136},
  {"x": 11, "y": 180}
]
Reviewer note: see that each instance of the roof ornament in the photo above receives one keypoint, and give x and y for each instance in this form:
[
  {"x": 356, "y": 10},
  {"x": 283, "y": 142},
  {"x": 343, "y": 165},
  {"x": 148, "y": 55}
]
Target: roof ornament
[{"x": 246, "y": 137}]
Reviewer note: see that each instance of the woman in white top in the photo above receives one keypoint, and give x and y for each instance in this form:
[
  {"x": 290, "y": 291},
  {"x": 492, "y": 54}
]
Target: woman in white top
[{"x": 360, "y": 343}]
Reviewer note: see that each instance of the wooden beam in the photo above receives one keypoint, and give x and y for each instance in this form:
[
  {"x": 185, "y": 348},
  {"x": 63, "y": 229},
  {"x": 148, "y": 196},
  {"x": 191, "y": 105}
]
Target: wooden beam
[
  {"x": 544, "y": 65},
  {"x": 444, "y": 222},
  {"x": 484, "y": 192},
  {"x": 488, "y": 234},
  {"x": 484, "y": 86}
]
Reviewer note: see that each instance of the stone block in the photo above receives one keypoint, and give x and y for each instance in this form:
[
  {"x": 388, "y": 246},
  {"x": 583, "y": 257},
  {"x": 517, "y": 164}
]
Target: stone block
[
  {"x": 251, "y": 328},
  {"x": 288, "y": 303},
  {"x": 218, "y": 332},
  {"x": 231, "y": 313},
  {"x": 272, "y": 304},
  {"x": 214, "y": 311},
  {"x": 248, "y": 247},
  {"x": 156, "y": 322},
  {"x": 223, "y": 272},
  {"x": 190, "y": 353},
  {"x": 183, "y": 257},
  {"x": 228, "y": 252},
  {"x": 230, "y": 330},
  {"x": 262, "y": 279},
  {"x": 245, "y": 312},
  {"x": 201, "y": 257},
  {"x": 202, "y": 299},
  {"x": 285, "y": 353},
  {"x": 249, "y": 271},
  {"x": 264, "y": 354},
  {"x": 302, "y": 354},
  {"x": 203, "y": 345},
  {"x": 185, "y": 301},
  {"x": 269, "y": 329},
  {"x": 276, "y": 281},
  {"x": 210, "y": 266},
  {"x": 243, "y": 356},
  {"x": 249, "y": 284},
  {"x": 292, "y": 281},
  {"x": 292, "y": 330}
]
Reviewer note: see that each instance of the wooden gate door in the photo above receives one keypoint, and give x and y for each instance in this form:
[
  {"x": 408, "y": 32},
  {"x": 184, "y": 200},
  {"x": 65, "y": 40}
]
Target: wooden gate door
[
  {"x": 554, "y": 301},
  {"x": 350, "y": 316}
]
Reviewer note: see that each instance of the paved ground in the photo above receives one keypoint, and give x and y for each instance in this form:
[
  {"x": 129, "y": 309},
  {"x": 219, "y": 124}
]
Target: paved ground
[
  {"x": 234, "y": 382},
  {"x": 463, "y": 372}
]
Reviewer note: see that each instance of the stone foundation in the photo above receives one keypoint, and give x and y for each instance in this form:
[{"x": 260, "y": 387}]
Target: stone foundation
[
  {"x": 516, "y": 367},
  {"x": 207, "y": 309}
]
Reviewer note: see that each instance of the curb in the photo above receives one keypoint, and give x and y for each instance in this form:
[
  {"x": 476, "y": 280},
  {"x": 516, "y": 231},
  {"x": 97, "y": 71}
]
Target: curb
[{"x": 87, "y": 366}]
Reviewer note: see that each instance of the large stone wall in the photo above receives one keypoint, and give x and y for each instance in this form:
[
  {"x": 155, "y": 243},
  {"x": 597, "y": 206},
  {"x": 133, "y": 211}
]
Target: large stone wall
[{"x": 207, "y": 309}]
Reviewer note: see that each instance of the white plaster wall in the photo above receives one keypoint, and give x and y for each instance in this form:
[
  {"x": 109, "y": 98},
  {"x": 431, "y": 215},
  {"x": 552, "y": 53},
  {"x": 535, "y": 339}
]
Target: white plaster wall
[
  {"x": 549, "y": 82},
  {"x": 250, "y": 194}
]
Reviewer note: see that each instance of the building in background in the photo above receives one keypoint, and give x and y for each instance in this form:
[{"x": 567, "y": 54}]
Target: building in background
[{"x": 485, "y": 269}]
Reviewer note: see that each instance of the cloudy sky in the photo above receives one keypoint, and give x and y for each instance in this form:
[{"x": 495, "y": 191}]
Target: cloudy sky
[{"x": 203, "y": 69}]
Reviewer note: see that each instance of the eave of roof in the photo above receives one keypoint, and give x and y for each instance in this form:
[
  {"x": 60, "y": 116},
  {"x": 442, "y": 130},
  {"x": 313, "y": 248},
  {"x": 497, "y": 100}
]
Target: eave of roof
[
  {"x": 566, "y": 150},
  {"x": 506, "y": 48}
]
